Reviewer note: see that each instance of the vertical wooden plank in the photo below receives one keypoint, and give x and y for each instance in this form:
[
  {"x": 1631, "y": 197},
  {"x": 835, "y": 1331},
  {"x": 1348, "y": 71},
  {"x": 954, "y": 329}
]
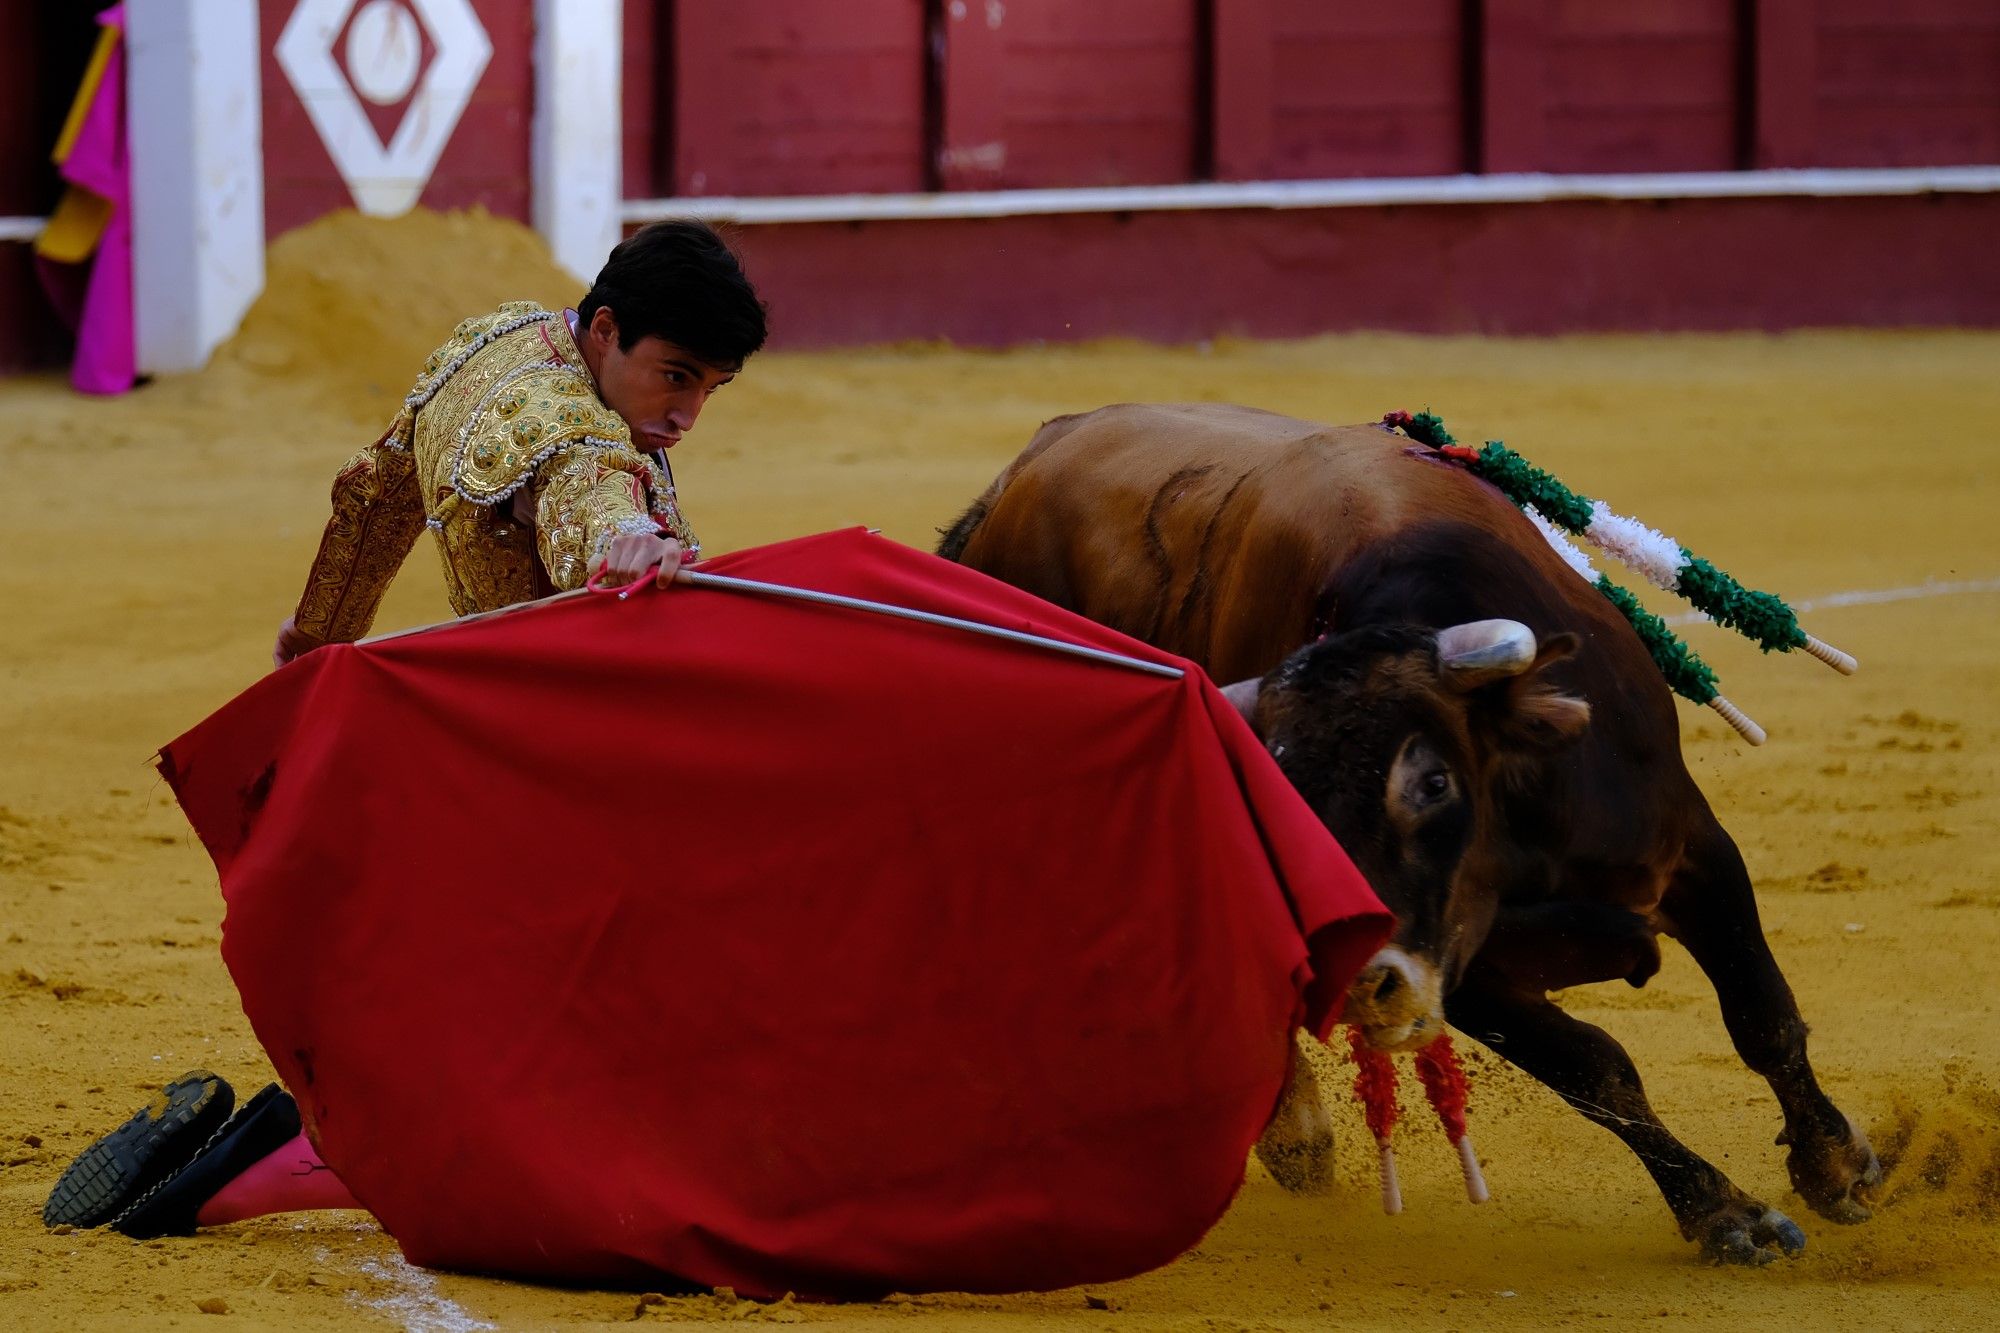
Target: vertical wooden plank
[
  {"x": 1368, "y": 90},
  {"x": 1102, "y": 94},
  {"x": 1513, "y": 117},
  {"x": 972, "y": 149},
  {"x": 1785, "y": 78},
  {"x": 1242, "y": 90},
  {"x": 703, "y": 129},
  {"x": 1642, "y": 88},
  {"x": 796, "y": 97},
  {"x": 640, "y": 95}
]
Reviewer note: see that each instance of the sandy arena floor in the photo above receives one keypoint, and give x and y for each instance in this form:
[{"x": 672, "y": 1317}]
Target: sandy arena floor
[{"x": 150, "y": 546}]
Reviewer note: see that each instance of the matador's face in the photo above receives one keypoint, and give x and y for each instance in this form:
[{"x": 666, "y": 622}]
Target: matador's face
[{"x": 658, "y": 387}]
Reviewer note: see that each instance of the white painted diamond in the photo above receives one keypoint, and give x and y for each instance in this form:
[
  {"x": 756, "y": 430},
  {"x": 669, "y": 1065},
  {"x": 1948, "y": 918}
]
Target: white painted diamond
[
  {"x": 385, "y": 52},
  {"x": 384, "y": 180}
]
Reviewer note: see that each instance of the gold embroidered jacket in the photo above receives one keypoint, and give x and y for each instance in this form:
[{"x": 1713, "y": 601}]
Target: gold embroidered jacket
[{"x": 504, "y": 450}]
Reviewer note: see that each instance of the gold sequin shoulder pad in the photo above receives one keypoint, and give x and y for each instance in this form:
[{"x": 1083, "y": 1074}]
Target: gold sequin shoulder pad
[
  {"x": 469, "y": 339},
  {"x": 533, "y": 414}
]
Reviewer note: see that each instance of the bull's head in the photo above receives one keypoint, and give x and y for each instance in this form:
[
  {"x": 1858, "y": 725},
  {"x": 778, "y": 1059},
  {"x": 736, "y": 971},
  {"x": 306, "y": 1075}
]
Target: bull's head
[{"x": 1404, "y": 740}]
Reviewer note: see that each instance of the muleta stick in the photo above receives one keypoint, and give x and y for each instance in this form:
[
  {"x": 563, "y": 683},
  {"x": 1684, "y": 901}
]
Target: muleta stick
[{"x": 785, "y": 592}]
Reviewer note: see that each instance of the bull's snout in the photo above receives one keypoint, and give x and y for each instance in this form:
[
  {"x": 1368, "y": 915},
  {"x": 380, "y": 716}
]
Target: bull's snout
[{"x": 1397, "y": 1002}]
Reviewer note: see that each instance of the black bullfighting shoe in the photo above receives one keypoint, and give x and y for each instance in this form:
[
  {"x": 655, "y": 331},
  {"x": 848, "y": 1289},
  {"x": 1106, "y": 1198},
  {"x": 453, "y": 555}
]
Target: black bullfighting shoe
[
  {"x": 266, "y": 1123},
  {"x": 162, "y": 1138}
]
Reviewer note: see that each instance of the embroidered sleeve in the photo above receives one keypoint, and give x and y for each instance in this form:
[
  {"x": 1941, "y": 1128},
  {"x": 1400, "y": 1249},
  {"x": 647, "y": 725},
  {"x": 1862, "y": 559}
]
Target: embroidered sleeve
[
  {"x": 584, "y": 497},
  {"x": 378, "y": 510}
]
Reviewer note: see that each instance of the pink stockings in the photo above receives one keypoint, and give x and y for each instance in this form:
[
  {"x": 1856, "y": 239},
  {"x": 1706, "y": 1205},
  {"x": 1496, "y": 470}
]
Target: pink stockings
[{"x": 293, "y": 1179}]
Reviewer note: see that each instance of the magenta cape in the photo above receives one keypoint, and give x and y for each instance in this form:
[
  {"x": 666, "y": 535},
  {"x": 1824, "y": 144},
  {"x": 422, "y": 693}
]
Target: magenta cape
[{"x": 773, "y": 946}]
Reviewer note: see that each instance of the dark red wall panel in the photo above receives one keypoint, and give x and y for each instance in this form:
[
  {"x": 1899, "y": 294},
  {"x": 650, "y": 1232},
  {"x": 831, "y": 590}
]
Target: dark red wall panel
[
  {"x": 1499, "y": 269},
  {"x": 1367, "y": 90},
  {"x": 1901, "y": 83},
  {"x": 1043, "y": 93},
  {"x": 797, "y": 97},
  {"x": 646, "y": 99},
  {"x": 485, "y": 161},
  {"x": 1641, "y": 87}
]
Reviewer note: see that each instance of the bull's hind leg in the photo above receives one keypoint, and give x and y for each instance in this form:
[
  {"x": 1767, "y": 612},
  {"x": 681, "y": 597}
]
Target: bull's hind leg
[
  {"x": 1711, "y": 910},
  {"x": 1591, "y": 1072},
  {"x": 1297, "y": 1146}
]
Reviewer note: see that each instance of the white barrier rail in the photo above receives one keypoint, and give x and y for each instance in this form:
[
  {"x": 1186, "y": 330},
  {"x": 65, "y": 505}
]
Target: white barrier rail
[{"x": 1515, "y": 188}]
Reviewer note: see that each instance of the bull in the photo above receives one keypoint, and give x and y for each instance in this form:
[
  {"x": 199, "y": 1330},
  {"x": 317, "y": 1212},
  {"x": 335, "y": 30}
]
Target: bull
[{"x": 1517, "y": 796}]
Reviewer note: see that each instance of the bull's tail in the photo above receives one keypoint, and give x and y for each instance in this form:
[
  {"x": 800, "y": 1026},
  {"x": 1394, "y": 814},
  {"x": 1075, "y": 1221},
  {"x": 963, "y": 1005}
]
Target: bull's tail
[{"x": 953, "y": 540}]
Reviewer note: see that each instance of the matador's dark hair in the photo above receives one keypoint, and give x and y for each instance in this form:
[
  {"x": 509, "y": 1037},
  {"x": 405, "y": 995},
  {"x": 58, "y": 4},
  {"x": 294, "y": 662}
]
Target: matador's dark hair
[{"x": 680, "y": 281}]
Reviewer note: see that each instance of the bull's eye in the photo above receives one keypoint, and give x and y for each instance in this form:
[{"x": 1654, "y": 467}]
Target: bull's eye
[
  {"x": 1421, "y": 781},
  {"x": 1433, "y": 787}
]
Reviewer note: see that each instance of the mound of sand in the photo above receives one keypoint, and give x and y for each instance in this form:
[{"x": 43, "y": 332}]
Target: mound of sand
[{"x": 352, "y": 305}]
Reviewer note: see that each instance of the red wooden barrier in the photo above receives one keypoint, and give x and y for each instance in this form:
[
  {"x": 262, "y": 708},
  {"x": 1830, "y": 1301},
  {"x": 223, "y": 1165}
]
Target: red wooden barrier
[
  {"x": 1643, "y": 266},
  {"x": 1901, "y": 83},
  {"x": 646, "y": 106},
  {"x": 1578, "y": 86},
  {"x": 788, "y": 97},
  {"x": 1055, "y": 93},
  {"x": 1242, "y": 54},
  {"x": 1652, "y": 87},
  {"x": 1785, "y": 43},
  {"x": 1367, "y": 90}
]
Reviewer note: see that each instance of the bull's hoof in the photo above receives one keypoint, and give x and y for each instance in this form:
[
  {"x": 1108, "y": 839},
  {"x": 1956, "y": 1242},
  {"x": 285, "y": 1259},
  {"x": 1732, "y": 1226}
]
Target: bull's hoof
[
  {"x": 1839, "y": 1175},
  {"x": 1746, "y": 1232},
  {"x": 1300, "y": 1166}
]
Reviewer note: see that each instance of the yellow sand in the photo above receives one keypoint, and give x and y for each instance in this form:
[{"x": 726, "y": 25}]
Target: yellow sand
[{"x": 152, "y": 544}]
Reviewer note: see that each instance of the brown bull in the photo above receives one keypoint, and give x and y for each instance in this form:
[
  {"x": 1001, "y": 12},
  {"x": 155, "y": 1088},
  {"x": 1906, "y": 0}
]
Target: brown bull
[{"x": 1523, "y": 807}]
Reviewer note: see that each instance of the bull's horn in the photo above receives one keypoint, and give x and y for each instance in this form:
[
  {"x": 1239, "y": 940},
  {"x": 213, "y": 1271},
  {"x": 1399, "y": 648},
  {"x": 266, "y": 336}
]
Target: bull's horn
[
  {"x": 1243, "y": 694},
  {"x": 1472, "y": 654}
]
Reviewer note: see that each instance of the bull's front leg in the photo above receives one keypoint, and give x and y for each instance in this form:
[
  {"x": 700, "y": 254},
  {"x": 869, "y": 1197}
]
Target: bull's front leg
[
  {"x": 1714, "y": 914},
  {"x": 1592, "y": 1072},
  {"x": 1297, "y": 1146}
]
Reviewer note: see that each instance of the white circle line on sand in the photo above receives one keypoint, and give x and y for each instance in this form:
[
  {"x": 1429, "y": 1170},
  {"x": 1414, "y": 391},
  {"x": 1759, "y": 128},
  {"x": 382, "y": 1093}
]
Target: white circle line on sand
[{"x": 1868, "y": 597}]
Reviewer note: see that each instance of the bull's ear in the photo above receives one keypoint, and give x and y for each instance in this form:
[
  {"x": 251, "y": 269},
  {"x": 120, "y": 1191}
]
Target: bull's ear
[
  {"x": 1554, "y": 648},
  {"x": 1538, "y": 714},
  {"x": 1243, "y": 696}
]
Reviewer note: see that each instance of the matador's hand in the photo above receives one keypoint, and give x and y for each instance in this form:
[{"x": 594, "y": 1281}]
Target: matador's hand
[
  {"x": 292, "y": 642},
  {"x": 629, "y": 559}
]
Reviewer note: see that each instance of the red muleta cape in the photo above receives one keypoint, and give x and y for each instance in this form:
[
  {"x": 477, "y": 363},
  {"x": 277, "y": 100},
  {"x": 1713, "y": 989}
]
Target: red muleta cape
[{"x": 782, "y": 947}]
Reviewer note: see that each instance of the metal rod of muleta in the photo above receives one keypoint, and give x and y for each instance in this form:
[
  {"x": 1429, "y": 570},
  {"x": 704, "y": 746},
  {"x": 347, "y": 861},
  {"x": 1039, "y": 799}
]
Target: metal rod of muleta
[
  {"x": 698, "y": 579},
  {"x": 785, "y": 591}
]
